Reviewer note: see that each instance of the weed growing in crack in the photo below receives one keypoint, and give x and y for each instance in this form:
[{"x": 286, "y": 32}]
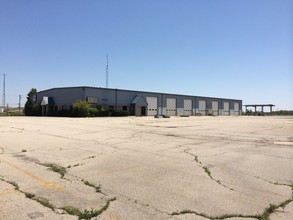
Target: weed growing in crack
[
  {"x": 45, "y": 202},
  {"x": 16, "y": 187},
  {"x": 206, "y": 169},
  {"x": 87, "y": 214},
  {"x": 98, "y": 188},
  {"x": 14, "y": 184},
  {"x": 56, "y": 168},
  {"x": 268, "y": 211},
  {"x": 72, "y": 210},
  {"x": 225, "y": 216},
  {"x": 29, "y": 195},
  {"x": 264, "y": 216},
  {"x": 283, "y": 204}
]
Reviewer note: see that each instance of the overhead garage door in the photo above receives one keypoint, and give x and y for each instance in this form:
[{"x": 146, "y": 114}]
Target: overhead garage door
[
  {"x": 236, "y": 108},
  {"x": 215, "y": 107},
  {"x": 187, "y": 107},
  {"x": 202, "y": 107},
  {"x": 171, "y": 106},
  {"x": 226, "y": 108},
  {"x": 152, "y": 105}
]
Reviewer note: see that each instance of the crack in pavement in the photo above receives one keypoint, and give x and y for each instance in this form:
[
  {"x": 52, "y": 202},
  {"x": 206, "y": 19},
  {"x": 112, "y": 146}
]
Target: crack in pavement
[
  {"x": 86, "y": 214},
  {"x": 272, "y": 208},
  {"x": 206, "y": 169},
  {"x": 39, "y": 179}
]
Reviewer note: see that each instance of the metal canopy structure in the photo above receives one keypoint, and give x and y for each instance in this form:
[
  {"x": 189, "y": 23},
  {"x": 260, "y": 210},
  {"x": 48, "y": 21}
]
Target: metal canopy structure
[{"x": 260, "y": 105}]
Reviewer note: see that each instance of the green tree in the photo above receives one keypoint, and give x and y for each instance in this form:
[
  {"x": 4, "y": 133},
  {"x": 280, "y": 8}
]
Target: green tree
[
  {"x": 81, "y": 108},
  {"x": 30, "y": 108}
]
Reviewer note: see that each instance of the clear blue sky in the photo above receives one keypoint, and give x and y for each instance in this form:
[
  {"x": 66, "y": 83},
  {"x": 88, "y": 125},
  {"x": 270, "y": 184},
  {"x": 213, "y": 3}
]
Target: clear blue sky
[{"x": 222, "y": 48}]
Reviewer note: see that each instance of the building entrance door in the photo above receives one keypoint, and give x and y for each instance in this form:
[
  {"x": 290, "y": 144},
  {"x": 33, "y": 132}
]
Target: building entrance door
[{"x": 143, "y": 110}]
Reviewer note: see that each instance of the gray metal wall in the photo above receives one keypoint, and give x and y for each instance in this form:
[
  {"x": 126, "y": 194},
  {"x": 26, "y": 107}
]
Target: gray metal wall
[{"x": 63, "y": 97}]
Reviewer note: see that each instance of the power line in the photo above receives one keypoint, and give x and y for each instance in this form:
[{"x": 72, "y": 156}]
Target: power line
[{"x": 19, "y": 106}]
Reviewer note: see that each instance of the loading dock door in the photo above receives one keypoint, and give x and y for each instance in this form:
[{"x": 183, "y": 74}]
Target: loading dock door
[
  {"x": 171, "y": 107},
  {"x": 236, "y": 108},
  {"x": 152, "y": 105},
  {"x": 202, "y": 107},
  {"x": 187, "y": 107},
  {"x": 226, "y": 108},
  {"x": 215, "y": 107}
]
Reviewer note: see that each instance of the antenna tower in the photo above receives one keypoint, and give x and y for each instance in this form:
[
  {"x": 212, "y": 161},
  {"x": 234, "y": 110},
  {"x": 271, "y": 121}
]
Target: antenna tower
[
  {"x": 3, "y": 99},
  {"x": 107, "y": 74}
]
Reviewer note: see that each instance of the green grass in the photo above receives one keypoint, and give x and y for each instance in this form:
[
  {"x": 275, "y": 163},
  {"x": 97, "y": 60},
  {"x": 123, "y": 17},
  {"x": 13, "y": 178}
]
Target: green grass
[{"x": 17, "y": 113}]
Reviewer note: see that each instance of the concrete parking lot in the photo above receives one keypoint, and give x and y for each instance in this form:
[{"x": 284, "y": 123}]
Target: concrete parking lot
[{"x": 146, "y": 168}]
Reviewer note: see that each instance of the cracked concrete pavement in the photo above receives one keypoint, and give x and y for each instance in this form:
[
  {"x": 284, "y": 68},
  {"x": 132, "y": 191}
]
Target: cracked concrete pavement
[{"x": 147, "y": 168}]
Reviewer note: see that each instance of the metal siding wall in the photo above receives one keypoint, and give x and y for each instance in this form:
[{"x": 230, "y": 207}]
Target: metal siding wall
[
  {"x": 105, "y": 96},
  {"x": 62, "y": 97}
]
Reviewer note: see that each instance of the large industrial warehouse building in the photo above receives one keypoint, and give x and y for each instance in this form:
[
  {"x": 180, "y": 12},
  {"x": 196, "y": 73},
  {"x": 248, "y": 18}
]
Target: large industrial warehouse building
[{"x": 137, "y": 103}]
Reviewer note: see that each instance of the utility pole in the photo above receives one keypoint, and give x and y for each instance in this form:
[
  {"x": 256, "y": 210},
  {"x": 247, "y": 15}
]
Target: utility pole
[
  {"x": 3, "y": 98},
  {"x": 19, "y": 98},
  {"x": 107, "y": 69}
]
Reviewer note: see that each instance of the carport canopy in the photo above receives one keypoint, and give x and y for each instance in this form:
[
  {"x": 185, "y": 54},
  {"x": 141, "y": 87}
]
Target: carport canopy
[{"x": 260, "y": 105}]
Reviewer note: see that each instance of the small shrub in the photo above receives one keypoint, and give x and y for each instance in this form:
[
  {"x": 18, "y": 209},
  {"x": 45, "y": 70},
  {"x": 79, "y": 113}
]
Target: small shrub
[
  {"x": 81, "y": 108},
  {"x": 93, "y": 112},
  {"x": 103, "y": 113}
]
